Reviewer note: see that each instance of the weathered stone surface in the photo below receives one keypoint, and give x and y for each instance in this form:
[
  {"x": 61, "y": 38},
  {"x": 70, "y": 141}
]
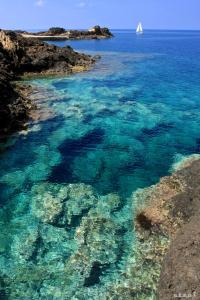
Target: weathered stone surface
[
  {"x": 180, "y": 276},
  {"x": 181, "y": 268},
  {"x": 25, "y": 56},
  {"x": 171, "y": 209}
]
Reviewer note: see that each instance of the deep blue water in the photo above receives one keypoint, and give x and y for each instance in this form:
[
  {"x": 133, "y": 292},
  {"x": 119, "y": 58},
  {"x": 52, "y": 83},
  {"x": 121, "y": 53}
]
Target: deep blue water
[
  {"x": 118, "y": 127},
  {"x": 126, "y": 120}
]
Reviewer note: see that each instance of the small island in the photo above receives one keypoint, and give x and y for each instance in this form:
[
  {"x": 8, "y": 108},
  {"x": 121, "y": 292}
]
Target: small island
[{"x": 57, "y": 33}]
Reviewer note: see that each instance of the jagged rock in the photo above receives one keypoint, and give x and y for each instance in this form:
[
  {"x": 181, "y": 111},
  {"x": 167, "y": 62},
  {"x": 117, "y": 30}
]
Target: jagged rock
[
  {"x": 14, "y": 104},
  {"x": 56, "y": 30},
  {"x": 34, "y": 56},
  {"x": 101, "y": 31},
  {"x": 106, "y": 31},
  {"x": 96, "y": 29},
  {"x": 25, "y": 56},
  {"x": 57, "y": 33}
]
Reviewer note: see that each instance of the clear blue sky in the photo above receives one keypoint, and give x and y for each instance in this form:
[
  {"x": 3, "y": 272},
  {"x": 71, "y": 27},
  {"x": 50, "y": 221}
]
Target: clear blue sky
[{"x": 158, "y": 14}]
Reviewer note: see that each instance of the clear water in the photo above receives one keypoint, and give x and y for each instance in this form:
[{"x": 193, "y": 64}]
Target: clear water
[{"x": 117, "y": 128}]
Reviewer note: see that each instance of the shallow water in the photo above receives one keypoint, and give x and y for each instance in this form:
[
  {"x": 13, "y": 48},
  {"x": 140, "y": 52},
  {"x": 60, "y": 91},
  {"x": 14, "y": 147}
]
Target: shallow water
[{"x": 117, "y": 128}]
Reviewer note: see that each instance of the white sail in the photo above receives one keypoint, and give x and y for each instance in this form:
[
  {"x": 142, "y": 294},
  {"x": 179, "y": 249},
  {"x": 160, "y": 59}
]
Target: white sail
[{"x": 139, "y": 28}]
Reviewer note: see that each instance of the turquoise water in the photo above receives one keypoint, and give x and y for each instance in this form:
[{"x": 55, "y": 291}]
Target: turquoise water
[{"x": 112, "y": 130}]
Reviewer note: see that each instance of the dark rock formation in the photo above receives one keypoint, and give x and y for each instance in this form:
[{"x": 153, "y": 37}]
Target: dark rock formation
[
  {"x": 13, "y": 105},
  {"x": 101, "y": 31},
  {"x": 34, "y": 56},
  {"x": 56, "y": 30},
  {"x": 57, "y": 33},
  {"x": 25, "y": 56}
]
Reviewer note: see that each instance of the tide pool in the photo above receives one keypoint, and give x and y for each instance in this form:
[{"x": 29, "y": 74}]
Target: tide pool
[{"x": 66, "y": 185}]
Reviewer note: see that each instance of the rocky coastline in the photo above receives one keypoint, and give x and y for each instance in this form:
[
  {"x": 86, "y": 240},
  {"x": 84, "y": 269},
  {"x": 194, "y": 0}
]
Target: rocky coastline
[
  {"x": 21, "y": 57},
  {"x": 170, "y": 213},
  {"x": 57, "y": 33},
  {"x": 165, "y": 256},
  {"x": 68, "y": 235}
]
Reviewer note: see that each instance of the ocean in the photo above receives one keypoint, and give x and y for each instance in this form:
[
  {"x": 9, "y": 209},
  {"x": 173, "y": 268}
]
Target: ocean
[{"x": 67, "y": 184}]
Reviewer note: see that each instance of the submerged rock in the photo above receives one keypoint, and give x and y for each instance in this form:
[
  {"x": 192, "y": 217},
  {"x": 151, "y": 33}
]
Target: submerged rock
[
  {"x": 62, "y": 205},
  {"x": 52, "y": 255},
  {"x": 46, "y": 207},
  {"x": 67, "y": 242}
]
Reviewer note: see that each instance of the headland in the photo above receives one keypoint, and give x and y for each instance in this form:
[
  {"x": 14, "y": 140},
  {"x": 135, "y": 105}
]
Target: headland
[
  {"x": 27, "y": 57},
  {"x": 57, "y": 33}
]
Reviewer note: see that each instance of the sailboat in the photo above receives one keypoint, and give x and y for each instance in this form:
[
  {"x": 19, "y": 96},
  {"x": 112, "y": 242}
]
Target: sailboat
[{"x": 139, "y": 29}]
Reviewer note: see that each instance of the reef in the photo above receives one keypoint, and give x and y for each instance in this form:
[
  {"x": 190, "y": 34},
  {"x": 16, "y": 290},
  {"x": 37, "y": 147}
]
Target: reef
[
  {"x": 65, "y": 241},
  {"x": 62, "y": 243},
  {"x": 57, "y": 33},
  {"x": 21, "y": 57}
]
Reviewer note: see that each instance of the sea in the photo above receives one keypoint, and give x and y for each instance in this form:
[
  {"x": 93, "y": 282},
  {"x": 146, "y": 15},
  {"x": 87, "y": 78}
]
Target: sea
[{"x": 67, "y": 183}]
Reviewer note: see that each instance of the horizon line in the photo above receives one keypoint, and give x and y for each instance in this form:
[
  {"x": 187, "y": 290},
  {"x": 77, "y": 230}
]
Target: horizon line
[{"x": 158, "y": 29}]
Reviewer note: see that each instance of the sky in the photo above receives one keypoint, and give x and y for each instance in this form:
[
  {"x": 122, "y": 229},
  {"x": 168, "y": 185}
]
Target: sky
[{"x": 120, "y": 14}]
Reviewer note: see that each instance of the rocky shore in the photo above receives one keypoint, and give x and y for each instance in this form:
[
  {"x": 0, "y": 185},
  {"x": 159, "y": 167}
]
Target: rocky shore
[
  {"x": 57, "y": 33},
  {"x": 69, "y": 242},
  {"x": 171, "y": 212},
  {"x": 20, "y": 57}
]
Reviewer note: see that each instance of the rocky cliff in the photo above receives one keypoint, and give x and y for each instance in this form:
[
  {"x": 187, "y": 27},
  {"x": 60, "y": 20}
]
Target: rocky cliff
[
  {"x": 25, "y": 56},
  {"x": 14, "y": 106}
]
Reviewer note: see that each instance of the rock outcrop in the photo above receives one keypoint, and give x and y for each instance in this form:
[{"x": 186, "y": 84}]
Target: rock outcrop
[
  {"x": 34, "y": 56},
  {"x": 171, "y": 210},
  {"x": 180, "y": 276},
  {"x": 56, "y": 30},
  {"x": 25, "y": 56},
  {"x": 57, "y": 33},
  {"x": 14, "y": 103}
]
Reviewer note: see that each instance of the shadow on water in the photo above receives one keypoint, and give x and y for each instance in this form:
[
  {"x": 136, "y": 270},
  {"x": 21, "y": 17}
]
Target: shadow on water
[
  {"x": 95, "y": 273},
  {"x": 157, "y": 130},
  {"x": 70, "y": 149}
]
